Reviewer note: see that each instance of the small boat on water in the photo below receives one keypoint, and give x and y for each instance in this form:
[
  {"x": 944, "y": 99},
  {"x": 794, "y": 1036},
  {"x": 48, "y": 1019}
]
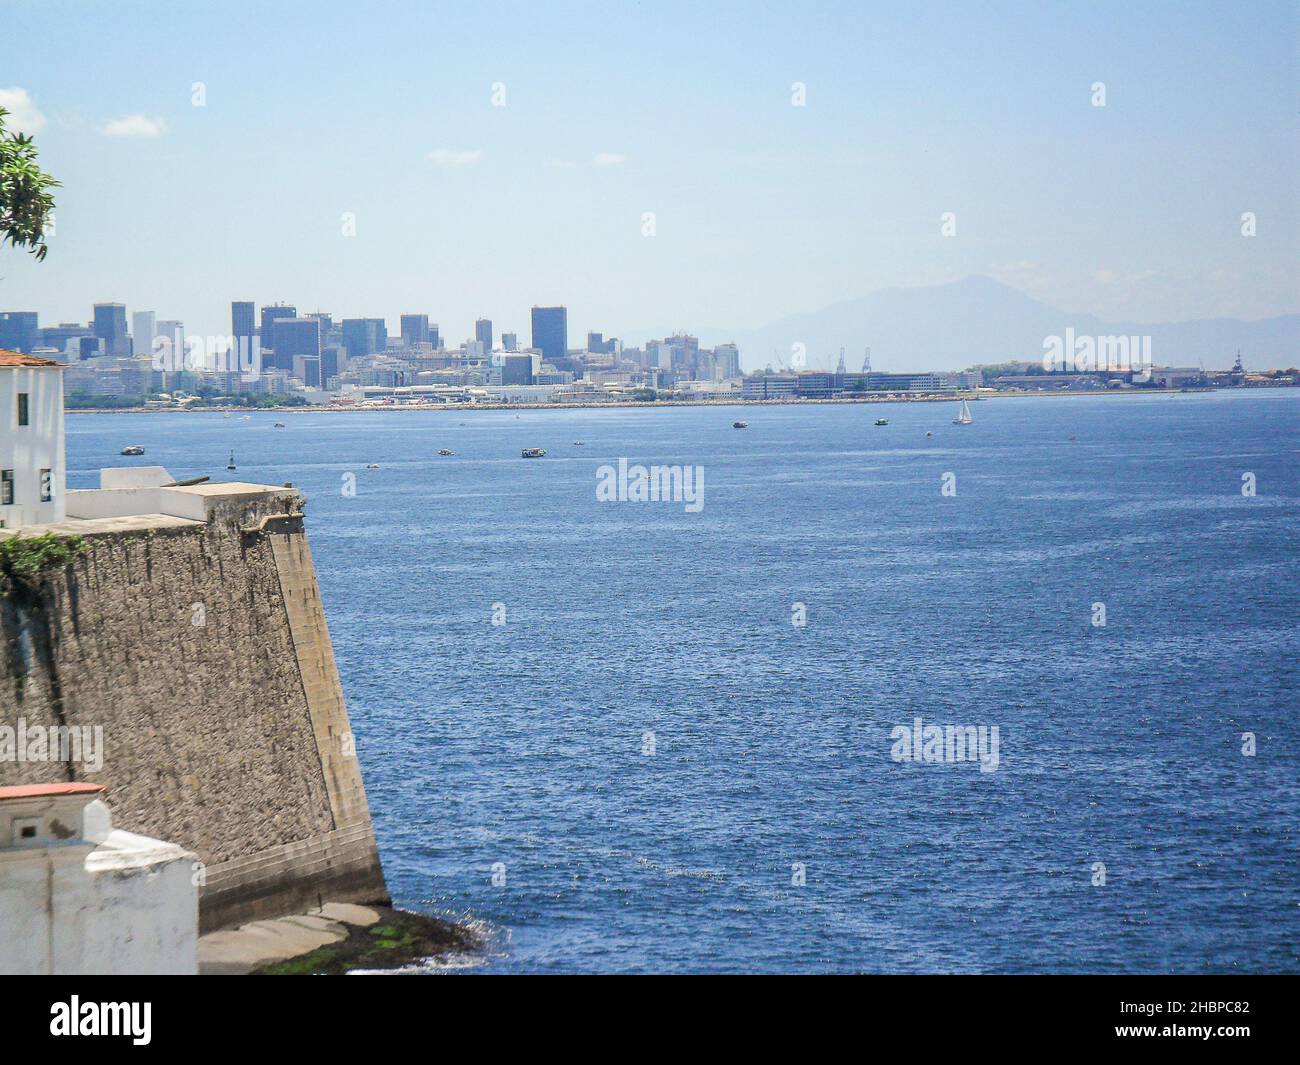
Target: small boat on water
[
  {"x": 882, "y": 421},
  {"x": 577, "y": 443},
  {"x": 533, "y": 452},
  {"x": 740, "y": 425},
  {"x": 278, "y": 425},
  {"x": 231, "y": 464},
  {"x": 445, "y": 451},
  {"x": 372, "y": 465},
  {"x": 133, "y": 449},
  {"x": 963, "y": 416},
  {"x": 245, "y": 417},
  {"x": 929, "y": 434}
]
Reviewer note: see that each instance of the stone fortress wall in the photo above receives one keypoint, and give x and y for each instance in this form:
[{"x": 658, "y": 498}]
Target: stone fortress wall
[{"x": 201, "y": 649}]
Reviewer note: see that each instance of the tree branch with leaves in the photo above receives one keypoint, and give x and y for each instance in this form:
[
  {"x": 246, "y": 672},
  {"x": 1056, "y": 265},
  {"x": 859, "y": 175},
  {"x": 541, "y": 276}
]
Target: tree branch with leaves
[{"x": 26, "y": 198}]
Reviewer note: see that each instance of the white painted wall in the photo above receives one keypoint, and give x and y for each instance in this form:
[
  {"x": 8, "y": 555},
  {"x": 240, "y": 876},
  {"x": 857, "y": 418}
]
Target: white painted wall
[
  {"x": 95, "y": 901},
  {"x": 33, "y": 447}
]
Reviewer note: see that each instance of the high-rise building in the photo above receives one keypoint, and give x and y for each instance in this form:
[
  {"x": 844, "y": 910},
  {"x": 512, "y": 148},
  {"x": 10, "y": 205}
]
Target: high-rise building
[
  {"x": 415, "y": 329},
  {"x": 269, "y": 315},
  {"x": 19, "y": 331},
  {"x": 243, "y": 327},
  {"x": 520, "y": 368},
  {"x": 292, "y": 337},
  {"x": 326, "y": 325},
  {"x": 435, "y": 337},
  {"x": 330, "y": 358},
  {"x": 364, "y": 336},
  {"x": 171, "y": 355},
  {"x": 483, "y": 333},
  {"x": 510, "y": 341},
  {"x": 307, "y": 368},
  {"x": 726, "y": 362},
  {"x": 110, "y": 327},
  {"x": 144, "y": 327},
  {"x": 551, "y": 331},
  {"x": 596, "y": 342}
]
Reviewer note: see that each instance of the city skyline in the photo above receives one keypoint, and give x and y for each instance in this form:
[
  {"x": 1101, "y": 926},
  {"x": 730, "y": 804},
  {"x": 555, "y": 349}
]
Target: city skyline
[{"x": 788, "y": 163}]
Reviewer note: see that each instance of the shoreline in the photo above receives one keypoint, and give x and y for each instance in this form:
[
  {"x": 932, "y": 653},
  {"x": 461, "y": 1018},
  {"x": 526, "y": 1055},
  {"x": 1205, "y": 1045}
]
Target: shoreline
[{"x": 784, "y": 401}]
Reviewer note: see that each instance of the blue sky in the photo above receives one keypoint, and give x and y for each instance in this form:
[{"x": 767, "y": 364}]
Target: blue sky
[{"x": 385, "y": 110}]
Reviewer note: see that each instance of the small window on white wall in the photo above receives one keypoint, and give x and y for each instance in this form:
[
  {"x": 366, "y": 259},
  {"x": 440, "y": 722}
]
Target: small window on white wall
[
  {"x": 47, "y": 486},
  {"x": 6, "y": 487}
]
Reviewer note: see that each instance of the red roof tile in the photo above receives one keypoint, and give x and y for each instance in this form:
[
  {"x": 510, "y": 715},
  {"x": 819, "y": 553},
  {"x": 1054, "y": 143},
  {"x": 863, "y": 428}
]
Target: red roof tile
[
  {"x": 14, "y": 358},
  {"x": 35, "y": 791}
]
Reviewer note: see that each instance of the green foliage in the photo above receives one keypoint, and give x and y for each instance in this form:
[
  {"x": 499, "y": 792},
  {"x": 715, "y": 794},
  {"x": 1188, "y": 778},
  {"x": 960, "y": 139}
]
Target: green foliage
[
  {"x": 86, "y": 401},
  {"x": 25, "y": 562},
  {"x": 25, "y": 197}
]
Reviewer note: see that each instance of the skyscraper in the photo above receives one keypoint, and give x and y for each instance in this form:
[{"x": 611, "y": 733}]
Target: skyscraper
[
  {"x": 294, "y": 337},
  {"x": 269, "y": 315},
  {"x": 144, "y": 327},
  {"x": 415, "y": 329},
  {"x": 19, "y": 331},
  {"x": 551, "y": 331},
  {"x": 510, "y": 341},
  {"x": 170, "y": 356},
  {"x": 243, "y": 316},
  {"x": 483, "y": 333},
  {"x": 364, "y": 336},
  {"x": 110, "y": 327}
]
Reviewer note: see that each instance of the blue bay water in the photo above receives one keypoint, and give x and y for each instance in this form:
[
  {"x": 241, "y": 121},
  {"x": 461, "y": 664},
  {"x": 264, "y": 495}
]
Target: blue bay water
[{"x": 522, "y": 744}]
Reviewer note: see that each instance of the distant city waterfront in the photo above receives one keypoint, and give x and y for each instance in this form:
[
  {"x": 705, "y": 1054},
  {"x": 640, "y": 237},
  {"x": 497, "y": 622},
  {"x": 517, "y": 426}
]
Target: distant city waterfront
[
  {"x": 294, "y": 359},
  {"x": 636, "y": 738}
]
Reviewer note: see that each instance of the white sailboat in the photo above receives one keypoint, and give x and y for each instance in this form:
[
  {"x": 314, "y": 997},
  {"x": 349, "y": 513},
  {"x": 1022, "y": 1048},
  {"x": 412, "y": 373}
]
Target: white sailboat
[{"x": 963, "y": 418}]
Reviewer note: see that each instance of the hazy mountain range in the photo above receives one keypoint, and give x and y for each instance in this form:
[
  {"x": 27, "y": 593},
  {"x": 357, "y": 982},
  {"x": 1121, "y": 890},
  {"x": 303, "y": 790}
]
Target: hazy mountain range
[{"x": 979, "y": 320}]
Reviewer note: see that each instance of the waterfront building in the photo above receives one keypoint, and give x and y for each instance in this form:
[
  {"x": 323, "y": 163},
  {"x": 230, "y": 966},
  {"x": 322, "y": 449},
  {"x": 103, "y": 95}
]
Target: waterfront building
[
  {"x": 769, "y": 386},
  {"x": 520, "y": 368}
]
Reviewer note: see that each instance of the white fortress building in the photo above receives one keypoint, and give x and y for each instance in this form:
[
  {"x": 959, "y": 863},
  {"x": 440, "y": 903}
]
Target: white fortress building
[
  {"x": 78, "y": 896},
  {"x": 32, "y": 463}
]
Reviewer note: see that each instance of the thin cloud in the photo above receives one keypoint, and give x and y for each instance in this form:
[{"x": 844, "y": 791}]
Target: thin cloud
[
  {"x": 24, "y": 115},
  {"x": 609, "y": 159},
  {"x": 447, "y": 157},
  {"x": 134, "y": 126},
  {"x": 562, "y": 164}
]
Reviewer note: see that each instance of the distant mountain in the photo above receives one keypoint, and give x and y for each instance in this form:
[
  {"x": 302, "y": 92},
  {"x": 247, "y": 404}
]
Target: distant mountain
[{"x": 979, "y": 320}]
